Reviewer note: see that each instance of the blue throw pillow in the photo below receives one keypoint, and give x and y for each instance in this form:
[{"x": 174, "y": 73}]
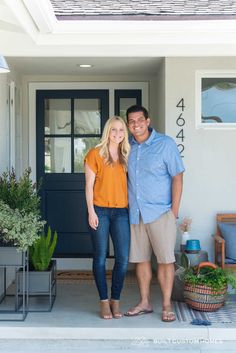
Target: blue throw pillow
[{"x": 228, "y": 231}]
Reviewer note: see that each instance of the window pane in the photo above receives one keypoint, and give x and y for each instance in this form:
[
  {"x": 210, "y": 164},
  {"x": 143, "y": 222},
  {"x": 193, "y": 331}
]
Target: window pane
[
  {"x": 125, "y": 103},
  {"x": 87, "y": 116},
  {"x": 81, "y": 147},
  {"x": 57, "y": 116},
  {"x": 219, "y": 100},
  {"x": 57, "y": 155}
]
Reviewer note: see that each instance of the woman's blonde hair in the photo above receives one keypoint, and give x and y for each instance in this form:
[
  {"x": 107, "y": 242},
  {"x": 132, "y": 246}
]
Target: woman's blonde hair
[{"x": 124, "y": 147}]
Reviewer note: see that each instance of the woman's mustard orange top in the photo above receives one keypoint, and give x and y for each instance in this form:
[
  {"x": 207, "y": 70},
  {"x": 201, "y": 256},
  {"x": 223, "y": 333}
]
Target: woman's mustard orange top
[{"x": 110, "y": 186}]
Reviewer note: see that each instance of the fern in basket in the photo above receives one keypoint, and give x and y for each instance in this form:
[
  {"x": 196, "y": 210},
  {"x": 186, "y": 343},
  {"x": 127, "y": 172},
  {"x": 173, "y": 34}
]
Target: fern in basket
[{"x": 42, "y": 250}]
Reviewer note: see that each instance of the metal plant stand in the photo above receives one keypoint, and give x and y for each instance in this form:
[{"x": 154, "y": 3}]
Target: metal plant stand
[
  {"x": 41, "y": 286},
  {"x": 10, "y": 258},
  {"x": 194, "y": 258}
]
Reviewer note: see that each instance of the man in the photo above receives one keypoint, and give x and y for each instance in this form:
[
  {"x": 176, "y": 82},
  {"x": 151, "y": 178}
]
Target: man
[{"x": 155, "y": 178}]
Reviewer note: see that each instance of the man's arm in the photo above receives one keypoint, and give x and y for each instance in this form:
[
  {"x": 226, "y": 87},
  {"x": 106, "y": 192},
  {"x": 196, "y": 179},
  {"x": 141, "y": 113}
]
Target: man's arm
[{"x": 177, "y": 186}]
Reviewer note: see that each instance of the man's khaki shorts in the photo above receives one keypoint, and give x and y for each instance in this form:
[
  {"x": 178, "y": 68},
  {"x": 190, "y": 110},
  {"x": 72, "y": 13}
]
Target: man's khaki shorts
[{"x": 158, "y": 237}]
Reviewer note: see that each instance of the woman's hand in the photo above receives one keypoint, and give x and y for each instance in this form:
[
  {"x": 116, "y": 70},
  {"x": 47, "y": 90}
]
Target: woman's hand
[
  {"x": 90, "y": 179},
  {"x": 93, "y": 220}
]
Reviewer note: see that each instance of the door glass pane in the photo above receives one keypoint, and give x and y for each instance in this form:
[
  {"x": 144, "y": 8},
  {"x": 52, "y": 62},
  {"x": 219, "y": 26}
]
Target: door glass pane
[
  {"x": 57, "y": 116},
  {"x": 57, "y": 155},
  {"x": 81, "y": 147},
  {"x": 87, "y": 116},
  {"x": 125, "y": 103}
]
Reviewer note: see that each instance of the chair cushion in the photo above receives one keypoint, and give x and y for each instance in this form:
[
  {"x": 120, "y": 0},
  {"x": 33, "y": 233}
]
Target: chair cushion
[
  {"x": 230, "y": 261},
  {"x": 228, "y": 232}
]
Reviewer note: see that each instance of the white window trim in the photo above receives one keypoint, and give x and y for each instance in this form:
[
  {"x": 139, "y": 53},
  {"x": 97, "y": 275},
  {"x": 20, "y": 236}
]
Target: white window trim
[
  {"x": 111, "y": 86},
  {"x": 198, "y": 89}
]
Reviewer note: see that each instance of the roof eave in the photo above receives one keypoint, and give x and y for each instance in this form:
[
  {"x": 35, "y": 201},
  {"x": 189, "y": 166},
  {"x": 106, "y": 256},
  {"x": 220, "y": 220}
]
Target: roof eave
[{"x": 166, "y": 17}]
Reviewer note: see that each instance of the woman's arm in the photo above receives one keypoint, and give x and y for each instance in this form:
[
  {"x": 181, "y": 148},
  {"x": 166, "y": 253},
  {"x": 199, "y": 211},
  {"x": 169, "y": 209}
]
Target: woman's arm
[{"x": 90, "y": 179}]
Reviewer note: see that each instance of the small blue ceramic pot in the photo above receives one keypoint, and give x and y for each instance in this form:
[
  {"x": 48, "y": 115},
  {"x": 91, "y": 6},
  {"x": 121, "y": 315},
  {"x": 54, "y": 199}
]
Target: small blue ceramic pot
[{"x": 192, "y": 245}]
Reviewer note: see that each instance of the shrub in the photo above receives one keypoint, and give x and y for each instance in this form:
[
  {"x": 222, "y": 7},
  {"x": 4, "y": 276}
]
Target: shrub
[
  {"x": 19, "y": 228},
  {"x": 19, "y": 194}
]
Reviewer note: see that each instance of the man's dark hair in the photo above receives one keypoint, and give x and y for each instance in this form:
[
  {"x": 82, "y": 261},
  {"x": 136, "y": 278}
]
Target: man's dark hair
[{"x": 135, "y": 109}]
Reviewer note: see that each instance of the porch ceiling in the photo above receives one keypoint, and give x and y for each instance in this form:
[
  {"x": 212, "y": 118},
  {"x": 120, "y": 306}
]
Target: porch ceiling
[{"x": 70, "y": 66}]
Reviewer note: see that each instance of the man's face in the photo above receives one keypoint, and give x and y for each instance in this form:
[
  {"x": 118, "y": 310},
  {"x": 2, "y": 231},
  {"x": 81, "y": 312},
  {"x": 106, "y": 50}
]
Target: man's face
[{"x": 138, "y": 125}]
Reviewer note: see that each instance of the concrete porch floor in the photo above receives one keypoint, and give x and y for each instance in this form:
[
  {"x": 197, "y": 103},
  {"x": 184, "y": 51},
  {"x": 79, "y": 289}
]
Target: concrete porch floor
[{"x": 75, "y": 316}]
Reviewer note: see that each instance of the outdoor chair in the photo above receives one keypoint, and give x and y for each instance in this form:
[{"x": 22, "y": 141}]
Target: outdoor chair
[{"x": 225, "y": 240}]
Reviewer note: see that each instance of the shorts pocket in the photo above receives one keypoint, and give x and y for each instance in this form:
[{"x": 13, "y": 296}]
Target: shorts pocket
[{"x": 172, "y": 214}]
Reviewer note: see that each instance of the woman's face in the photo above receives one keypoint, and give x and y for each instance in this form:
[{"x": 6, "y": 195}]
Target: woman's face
[{"x": 117, "y": 132}]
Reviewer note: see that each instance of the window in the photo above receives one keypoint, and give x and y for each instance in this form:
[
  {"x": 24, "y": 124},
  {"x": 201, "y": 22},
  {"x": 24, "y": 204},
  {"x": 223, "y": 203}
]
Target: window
[
  {"x": 216, "y": 101},
  {"x": 124, "y": 98}
]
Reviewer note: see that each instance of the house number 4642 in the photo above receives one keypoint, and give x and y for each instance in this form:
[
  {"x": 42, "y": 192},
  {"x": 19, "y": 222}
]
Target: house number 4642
[{"x": 180, "y": 122}]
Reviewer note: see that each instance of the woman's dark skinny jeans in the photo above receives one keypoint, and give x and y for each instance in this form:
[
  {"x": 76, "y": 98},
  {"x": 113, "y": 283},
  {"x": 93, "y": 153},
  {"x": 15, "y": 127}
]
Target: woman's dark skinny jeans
[{"x": 113, "y": 221}]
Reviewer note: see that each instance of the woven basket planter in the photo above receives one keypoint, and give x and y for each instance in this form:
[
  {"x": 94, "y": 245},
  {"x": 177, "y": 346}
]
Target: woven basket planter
[{"x": 203, "y": 298}]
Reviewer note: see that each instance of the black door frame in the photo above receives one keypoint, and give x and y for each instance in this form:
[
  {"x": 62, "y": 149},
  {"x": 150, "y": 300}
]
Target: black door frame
[{"x": 74, "y": 181}]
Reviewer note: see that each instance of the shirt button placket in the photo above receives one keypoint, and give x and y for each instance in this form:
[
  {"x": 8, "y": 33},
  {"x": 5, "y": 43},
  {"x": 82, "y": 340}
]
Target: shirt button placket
[{"x": 137, "y": 172}]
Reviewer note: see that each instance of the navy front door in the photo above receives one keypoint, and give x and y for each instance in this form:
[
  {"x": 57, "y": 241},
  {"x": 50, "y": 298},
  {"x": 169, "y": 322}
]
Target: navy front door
[{"x": 69, "y": 123}]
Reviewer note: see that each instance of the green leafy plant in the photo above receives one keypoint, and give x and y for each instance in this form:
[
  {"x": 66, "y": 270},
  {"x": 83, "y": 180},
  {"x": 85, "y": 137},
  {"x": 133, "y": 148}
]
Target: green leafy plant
[
  {"x": 42, "y": 250},
  {"x": 215, "y": 278},
  {"x": 19, "y": 193},
  {"x": 19, "y": 228}
]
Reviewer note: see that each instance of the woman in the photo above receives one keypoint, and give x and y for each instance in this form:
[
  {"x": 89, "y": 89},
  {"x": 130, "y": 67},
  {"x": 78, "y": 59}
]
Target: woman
[{"x": 107, "y": 202}]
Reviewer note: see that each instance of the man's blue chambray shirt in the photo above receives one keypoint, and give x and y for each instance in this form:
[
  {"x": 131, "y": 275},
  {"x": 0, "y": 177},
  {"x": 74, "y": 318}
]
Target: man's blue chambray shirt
[{"x": 151, "y": 166}]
